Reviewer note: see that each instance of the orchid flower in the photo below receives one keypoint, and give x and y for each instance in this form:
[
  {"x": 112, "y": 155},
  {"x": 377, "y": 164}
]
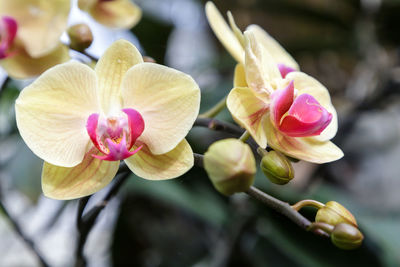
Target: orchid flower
[
  {"x": 293, "y": 113},
  {"x": 82, "y": 122},
  {"x": 122, "y": 14},
  {"x": 29, "y": 35},
  {"x": 272, "y": 99}
]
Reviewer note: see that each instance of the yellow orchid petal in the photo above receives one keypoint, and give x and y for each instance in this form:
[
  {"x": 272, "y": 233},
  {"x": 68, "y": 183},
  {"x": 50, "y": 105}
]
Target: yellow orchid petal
[
  {"x": 122, "y": 14},
  {"x": 88, "y": 177},
  {"x": 40, "y": 22},
  {"x": 22, "y": 66},
  {"x": 278, "y": 53},
  {"x": 224, "y": 34},
  {"x": 304, "y": 148},
  {"x": 52, "y": 112},
  {"x": 160, "y": 167},
  {"x": 168, "y": 101},
  {"x": 250, "y": 112},
  {"x": 239, "y": 78},
  {"x": 261, "y": 70},
  {"x": 306, "y": 84},
  {"x": 238, "y": 33},
  {"x": 86, "y": 5},
  {"x": 110, "y": 70}
]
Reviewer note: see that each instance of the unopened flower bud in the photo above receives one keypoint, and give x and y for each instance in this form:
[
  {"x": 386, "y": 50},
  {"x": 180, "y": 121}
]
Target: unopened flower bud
[
  {"x": 80, "y": 36},
  {"x": 231, "y": 166},
  {"x": 334, "y": 213},
  {"x": 346, "y": 236},
  {"x": 276, "y": 167}
]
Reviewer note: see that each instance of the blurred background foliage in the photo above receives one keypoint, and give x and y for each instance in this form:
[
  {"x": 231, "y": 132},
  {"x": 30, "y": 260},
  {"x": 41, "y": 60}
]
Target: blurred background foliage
[{"x": 351, "y": 46}]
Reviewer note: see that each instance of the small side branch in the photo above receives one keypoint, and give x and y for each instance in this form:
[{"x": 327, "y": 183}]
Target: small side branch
[
  {"x": 279, "y": 206},
  {"x": 85, "y": 222},
  {"x": 218, "y": 125}
]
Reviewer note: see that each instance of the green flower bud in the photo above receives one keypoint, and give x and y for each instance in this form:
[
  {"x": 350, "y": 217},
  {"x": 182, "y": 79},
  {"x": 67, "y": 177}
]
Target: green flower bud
[
  {"x": 231, "y": 166},
  {"x": 80, "y": 36},
  {"x": 276, "y": 167},
  {"x": 346, "y": 236},
  {"x": 333, "y": 213}
]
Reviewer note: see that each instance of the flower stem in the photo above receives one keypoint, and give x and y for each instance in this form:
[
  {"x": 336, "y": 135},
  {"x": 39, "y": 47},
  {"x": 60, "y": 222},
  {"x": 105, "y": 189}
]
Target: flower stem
[
  {"x": 218, "y": 125},
  {"x": 307, "y": 203},
  {"x": 285, "y": 209},
  {"x": 86, "y": 54},
  {"x": 282, "y": 207},
  {"x": 85, "y": 222},
  {"x": 244, "y": 136},
  {"x": 213, "y": 111}
]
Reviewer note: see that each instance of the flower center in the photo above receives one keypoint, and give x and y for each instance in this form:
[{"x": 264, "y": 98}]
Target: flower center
[
  {"x": 8, "y": 31},
  {"x": 115, "y": 135},
  {"x": 298, "y": 116}
]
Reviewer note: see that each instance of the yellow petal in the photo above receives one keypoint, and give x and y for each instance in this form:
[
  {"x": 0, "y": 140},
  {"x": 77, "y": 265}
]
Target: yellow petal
[
  {"x": 306, "y": 84},
  {"x": 110, "y": 70},
  {"x": 250, "y": 112},
  {"x": 303, "y": 148},
  {"x": 261, "y": 70},
  {"x": 22, "y": 66},
  {"x": 168, "y": 101},
  {"x": 51, "y": 113},
  {"x": 86, "y": 5},
  {"x": 40, "y": 22},
  {"x": 224, "y": 34},
  {"x": 122, "y": 14},
  {"x": 278, "y": 53},
  {"x": 238, "y": 33},
  {"x": 160, "y": 167},
  {"x": 87, "y": 178},
  {"x": 239, "y": 78}
]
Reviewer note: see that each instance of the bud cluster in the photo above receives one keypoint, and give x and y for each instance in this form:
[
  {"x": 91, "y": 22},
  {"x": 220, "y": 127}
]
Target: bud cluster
[{"x": 335, "y": 220}]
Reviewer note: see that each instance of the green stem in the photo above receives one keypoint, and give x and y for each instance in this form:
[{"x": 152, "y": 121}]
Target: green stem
[
  {"x": 244, "y": 136},
  {"x": 308, "y": 203},
  {"x": 213, "y": 111},
  {"x": 261, "y": 151}
]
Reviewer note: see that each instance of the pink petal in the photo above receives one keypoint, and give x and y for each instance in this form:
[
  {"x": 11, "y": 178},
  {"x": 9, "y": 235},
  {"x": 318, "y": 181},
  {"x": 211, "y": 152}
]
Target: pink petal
[
  {"x": 8, "y": 31},
  {"x": 136, "y": 125},
  {"x": 284, "y": 70},
  {"x": 281, "y": 102},
  {"x": 306, "y": 117},
  {"x": 118, "y": 151},
  {"x": 91, "y": 127}
]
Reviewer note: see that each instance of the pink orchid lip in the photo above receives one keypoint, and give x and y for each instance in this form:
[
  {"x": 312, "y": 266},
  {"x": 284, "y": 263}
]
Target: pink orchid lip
[
  {"x": 115, "y": 136},
  {"x": 299, "y": 116},
  {"x": 8, "y": 31},
  {"x": 284, "y": 70}
]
